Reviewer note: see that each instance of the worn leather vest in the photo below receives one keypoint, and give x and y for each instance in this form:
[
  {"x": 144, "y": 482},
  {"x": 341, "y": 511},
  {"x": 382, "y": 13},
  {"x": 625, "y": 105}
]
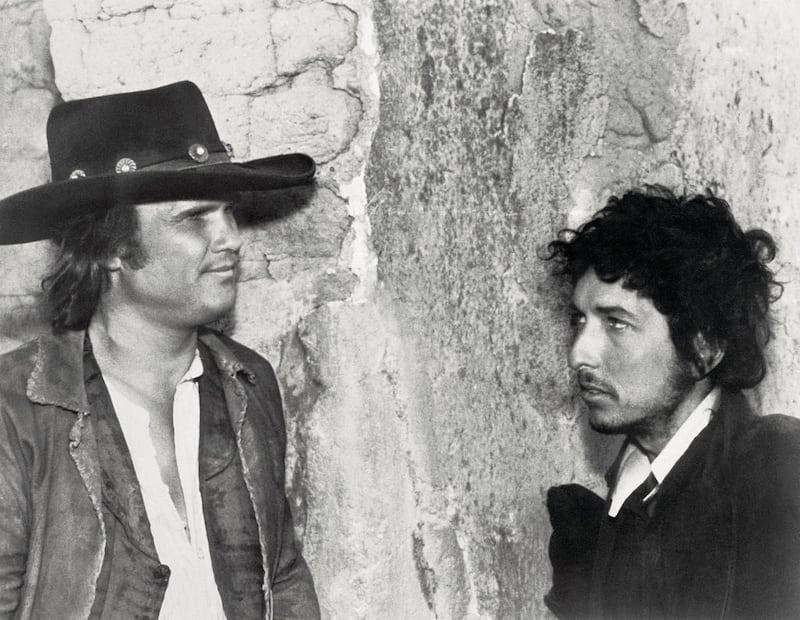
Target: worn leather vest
[{"x": 133, "y": 581}]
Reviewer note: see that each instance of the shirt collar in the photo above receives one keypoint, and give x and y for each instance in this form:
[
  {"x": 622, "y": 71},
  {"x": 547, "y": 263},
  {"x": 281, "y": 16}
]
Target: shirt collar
[
  {"x": 195, "y": 369},
  {"x": 58, "y": 369},
  {"x": 634, "y": 467},
  {"x": 684, "y": 436}
]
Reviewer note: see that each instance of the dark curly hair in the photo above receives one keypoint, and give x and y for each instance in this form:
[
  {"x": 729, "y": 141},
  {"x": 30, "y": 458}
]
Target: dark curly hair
[
  {"x": 690, "y": 257},
  {"x": 77, "y": 277}
]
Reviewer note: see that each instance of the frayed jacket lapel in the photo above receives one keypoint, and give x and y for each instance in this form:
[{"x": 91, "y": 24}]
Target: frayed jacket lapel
[
  {"x": 56, "y": 380},
  {"x": 121, "y": 491},
  {"x": 234, "y": 375}
]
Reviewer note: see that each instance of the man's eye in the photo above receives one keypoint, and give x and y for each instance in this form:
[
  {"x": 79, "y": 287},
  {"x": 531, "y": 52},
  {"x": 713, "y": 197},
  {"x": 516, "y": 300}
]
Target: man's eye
[
  {"x": 576, "y": 319},
  {"x": 617, "y": 324}
]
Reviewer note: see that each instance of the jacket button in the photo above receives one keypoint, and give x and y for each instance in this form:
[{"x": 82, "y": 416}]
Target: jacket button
[{"x": 161, "y": 572}]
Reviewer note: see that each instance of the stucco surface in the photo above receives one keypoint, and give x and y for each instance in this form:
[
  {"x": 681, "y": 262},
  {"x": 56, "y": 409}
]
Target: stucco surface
[
  {"x": 418, "y": 337},
  {"x": 27, "y": 93},
  {"x": 502, "y": 122}
]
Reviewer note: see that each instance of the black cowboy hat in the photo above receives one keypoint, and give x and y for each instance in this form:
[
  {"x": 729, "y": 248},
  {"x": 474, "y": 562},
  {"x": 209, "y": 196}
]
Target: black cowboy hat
[{"x": 131, "y": 148}]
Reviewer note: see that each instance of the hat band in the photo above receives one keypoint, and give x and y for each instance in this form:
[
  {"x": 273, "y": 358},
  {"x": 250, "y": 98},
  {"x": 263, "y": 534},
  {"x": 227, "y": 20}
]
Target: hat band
[
  {"x": 126, "y": 165},
  {"x": 182, "y": 164}
]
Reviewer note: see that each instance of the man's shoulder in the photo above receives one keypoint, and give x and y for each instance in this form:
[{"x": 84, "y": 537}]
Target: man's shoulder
[
  {"x": 766, "y": 449},
  {"x": 21, "y": 360},
  {"x": 769, "y": 432},
  {"x": 749, "y": 430},
  {"x": 47, "y": 369},
  {"x": 774, "y": 425},
  {"x": 19, "y": 365}
]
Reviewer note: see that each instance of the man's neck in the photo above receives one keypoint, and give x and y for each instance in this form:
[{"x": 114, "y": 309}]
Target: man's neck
[
  {"x": 652, "y": 439},
  {"x": 148, "y": 358}
]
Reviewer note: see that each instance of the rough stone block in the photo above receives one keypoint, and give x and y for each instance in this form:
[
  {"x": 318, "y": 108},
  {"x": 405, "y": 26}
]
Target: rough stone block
[
  {"x": 312, "y": 230},
  {"x": 26, "y": 96},
  {"x": 655, "y": 107},
  {"x": 361, "y": 509},
  {"x": 309, "y": 116},
  {"x": 231, "y": 115},
  {"x": 24, "y": 34},
  {"x": 286, "y": 4},
  {"x": 290, "y": 264},
  {"x": 624, "y": 120},
  {"x": 228, "y": 53},
  {"x": 319, "y": 32},
  {"x": 441, "y": 569},
  {"x": 656, "y": 15},
  {"x": 62, "y": 11},
  {"x": 23, "y": 132}
]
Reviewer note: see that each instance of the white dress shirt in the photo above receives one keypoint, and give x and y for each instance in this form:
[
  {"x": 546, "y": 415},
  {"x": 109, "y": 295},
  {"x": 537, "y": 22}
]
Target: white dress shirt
[
  {"x": 192, "y": 592},
  {"x": 635, "y": 467}
]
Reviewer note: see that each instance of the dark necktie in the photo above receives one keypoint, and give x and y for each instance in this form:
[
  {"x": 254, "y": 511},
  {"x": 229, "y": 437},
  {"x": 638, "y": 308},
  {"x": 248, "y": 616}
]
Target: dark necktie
[{"x": 640, "y": 500}]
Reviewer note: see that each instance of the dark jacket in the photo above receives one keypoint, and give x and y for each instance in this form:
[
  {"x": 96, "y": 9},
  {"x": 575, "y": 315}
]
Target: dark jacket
[
  {"x": 74, "y": 536},
  {"x": 722, "y": 539}
]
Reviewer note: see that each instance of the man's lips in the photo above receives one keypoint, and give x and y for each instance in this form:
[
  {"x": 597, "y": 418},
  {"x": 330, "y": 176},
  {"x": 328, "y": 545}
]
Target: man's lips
[
  {"x": 226, "y": 268},
  {"x": 591, "y": 390}
]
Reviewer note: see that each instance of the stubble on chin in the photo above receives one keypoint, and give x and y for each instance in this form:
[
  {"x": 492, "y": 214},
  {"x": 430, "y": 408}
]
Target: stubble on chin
[
  {"x": 606, "y": 421},
  {"x": 647, "y": 420},
  {"x": 608, "y": 425}
]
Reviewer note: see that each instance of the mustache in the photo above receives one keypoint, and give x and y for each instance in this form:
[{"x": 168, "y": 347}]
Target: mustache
[{"x": 588, "y": 380}]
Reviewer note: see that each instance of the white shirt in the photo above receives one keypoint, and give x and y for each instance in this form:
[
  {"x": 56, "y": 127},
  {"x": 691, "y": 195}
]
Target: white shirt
[
  {"x": 192, "y": 591},
  {"x": 635, "y": 467}
]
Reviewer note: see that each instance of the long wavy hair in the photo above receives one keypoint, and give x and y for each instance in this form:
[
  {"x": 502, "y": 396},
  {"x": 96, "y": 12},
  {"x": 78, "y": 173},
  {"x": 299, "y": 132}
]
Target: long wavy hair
[
  {"x": 690, "y": 257},
  {"x": 77, "y": 277}
]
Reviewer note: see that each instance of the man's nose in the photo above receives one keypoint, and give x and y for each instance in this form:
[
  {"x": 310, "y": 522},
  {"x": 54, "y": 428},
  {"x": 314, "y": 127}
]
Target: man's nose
[
  {"x": 585, "y": 349},
  {"x": 226, "y": 233}
]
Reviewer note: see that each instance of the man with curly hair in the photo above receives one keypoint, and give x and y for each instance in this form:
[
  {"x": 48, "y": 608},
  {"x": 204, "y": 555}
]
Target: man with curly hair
[
  {"x": 142, "y": 453},
  {"x": 671, "y": 314}
]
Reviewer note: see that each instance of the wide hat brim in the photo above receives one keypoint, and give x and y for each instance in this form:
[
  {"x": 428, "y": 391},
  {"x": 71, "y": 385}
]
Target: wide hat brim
[{"x": 38, "y": 213}]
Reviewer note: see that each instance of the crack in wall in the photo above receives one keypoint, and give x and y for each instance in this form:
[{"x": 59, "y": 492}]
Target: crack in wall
[
  {"x": 647, "y": 124},
  {"x": 425, "y": 574}
]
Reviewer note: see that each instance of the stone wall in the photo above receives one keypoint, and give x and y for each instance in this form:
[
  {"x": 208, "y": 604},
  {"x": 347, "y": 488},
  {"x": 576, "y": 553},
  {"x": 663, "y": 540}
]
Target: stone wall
[{"x": 418, "y": 339}]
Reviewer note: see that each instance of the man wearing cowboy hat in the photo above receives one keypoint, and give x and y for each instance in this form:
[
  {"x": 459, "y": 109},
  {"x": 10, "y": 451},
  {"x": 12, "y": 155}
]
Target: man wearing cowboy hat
[{"x": 142, "y": 454}]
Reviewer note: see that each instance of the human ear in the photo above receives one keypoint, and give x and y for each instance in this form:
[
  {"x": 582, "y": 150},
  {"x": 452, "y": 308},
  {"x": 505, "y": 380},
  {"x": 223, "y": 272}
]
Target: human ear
[
  {"x": 112, "y": 263},
  {"x": 708, "y": 353}
]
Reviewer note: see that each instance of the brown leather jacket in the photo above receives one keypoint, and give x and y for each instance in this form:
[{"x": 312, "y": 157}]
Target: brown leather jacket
[{"x": 58, "y": 514}]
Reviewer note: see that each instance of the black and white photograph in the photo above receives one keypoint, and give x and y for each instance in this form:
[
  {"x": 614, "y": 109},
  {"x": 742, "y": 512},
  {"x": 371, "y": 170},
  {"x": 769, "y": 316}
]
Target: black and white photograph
[{"x": 399, "y": 310}]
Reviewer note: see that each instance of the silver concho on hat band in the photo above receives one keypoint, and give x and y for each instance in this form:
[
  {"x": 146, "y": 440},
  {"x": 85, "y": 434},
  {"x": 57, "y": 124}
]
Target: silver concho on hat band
[
  {"x": 77, "y": 174},
  {"x": 199, "y": 153},
  {"x": 126, "y": 164}
]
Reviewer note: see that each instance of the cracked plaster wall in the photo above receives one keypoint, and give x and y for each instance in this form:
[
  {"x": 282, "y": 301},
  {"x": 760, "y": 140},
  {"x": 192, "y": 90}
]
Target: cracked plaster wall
[
  {"x": 418, "y": 339},
  {"x": 502, "y": 122}
]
